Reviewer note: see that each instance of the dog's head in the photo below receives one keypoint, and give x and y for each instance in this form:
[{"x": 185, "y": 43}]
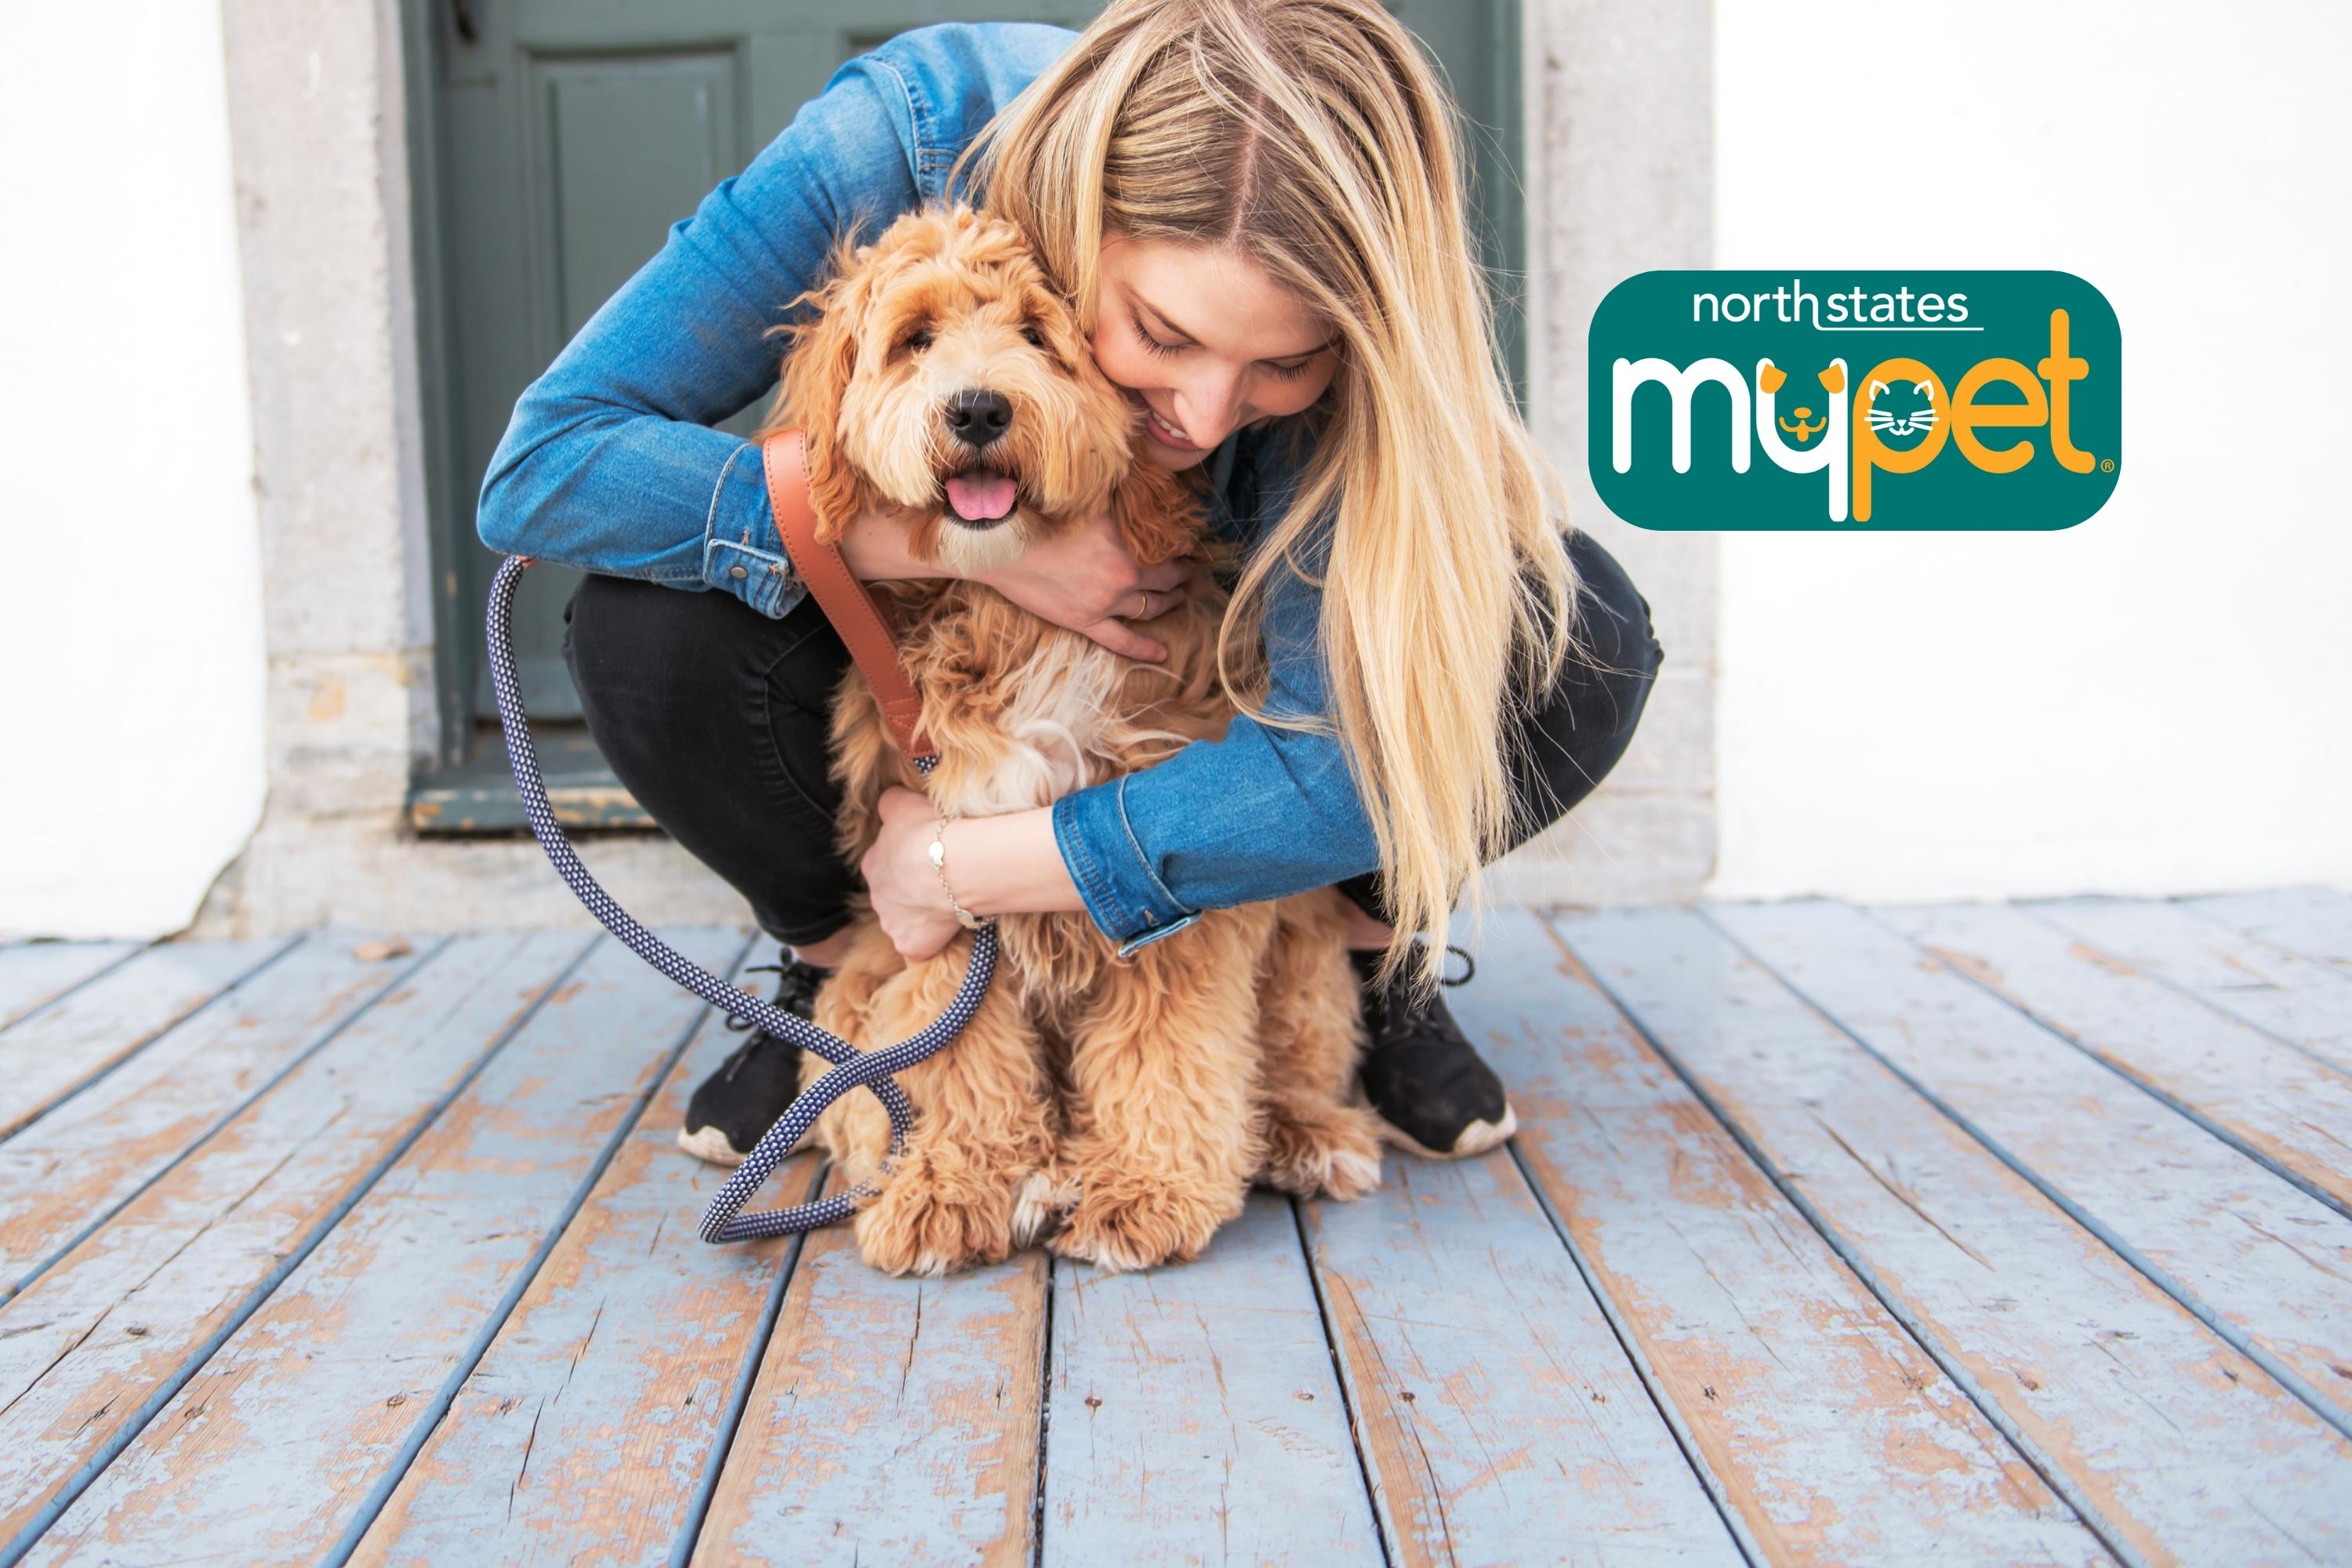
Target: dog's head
[{"x": 945, "y": 376}]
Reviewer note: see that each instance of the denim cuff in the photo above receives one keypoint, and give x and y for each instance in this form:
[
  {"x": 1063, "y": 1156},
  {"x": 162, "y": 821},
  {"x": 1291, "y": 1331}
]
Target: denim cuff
[
  {"x": 742, "y": 552},
  {"x": 1124, "y": 897}
]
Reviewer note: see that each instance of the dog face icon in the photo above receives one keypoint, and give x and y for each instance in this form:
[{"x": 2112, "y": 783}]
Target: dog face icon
[
  {"x": 945, "y": 376},
  {"x": 1803, "y": 424}
]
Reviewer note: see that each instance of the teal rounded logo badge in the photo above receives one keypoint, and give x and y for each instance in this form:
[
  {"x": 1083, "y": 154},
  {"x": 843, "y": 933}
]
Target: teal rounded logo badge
[{"x": 1884, "y": 400}]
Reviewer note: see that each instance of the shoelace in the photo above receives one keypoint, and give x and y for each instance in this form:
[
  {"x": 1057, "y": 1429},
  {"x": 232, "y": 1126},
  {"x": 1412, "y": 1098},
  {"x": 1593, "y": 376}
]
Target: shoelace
[
  {"x": 1403, "y": 1005},
  {"x": 1469, "y": 971},
  {"x": 795, "y": 992},
  {"x": 738, "y": 1022}
]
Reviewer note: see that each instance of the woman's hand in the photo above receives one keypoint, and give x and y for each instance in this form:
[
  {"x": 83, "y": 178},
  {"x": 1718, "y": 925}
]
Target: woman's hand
[
  {"x": 905, "y": 890},
  {"x": 997, "y": 865},
  {"x": 1083, "y": 578}
]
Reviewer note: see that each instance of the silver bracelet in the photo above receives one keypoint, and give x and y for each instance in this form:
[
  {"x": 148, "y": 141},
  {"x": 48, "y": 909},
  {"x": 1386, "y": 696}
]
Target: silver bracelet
[{"x": 964, "y": 917}]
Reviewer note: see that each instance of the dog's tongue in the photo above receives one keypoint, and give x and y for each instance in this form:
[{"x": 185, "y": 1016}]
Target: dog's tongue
[{"x": 981, "y": 496}]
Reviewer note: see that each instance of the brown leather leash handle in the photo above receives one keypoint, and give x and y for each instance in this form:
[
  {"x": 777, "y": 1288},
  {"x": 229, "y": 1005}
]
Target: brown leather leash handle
[{"x": 866, "y": 626}]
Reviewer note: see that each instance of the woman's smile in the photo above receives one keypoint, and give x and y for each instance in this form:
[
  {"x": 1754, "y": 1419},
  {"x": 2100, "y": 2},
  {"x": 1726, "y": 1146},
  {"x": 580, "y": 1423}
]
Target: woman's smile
[{"x": 1159, "y": 428}]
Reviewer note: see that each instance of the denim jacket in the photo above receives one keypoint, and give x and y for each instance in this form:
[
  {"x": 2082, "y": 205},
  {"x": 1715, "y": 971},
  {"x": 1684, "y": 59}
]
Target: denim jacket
[{"x": 610, "y": 464}]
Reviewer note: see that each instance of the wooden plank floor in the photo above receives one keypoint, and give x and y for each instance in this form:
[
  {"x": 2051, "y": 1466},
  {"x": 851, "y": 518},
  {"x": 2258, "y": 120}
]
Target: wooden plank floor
[{"x": 1984, "y": 1234}]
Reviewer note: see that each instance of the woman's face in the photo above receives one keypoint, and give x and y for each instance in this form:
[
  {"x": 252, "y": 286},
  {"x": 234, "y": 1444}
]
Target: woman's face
[{"x": 1205, "y": 342}]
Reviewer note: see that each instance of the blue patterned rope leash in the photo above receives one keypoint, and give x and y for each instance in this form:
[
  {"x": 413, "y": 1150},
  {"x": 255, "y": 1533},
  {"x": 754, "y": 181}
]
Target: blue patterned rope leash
[{"x": 852, "y": 1069}]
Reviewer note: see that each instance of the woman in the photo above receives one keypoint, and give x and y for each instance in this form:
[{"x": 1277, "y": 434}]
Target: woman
[{"x": 1257, "y": 206}]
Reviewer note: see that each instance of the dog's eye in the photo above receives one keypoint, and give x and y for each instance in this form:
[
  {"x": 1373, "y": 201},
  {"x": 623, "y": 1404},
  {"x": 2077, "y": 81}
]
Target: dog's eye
[
  {"x": 1036, "y": 339},
  {"x": 919, "y": 340}
]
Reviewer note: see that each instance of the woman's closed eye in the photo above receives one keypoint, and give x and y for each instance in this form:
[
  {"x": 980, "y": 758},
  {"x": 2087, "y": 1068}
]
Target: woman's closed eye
[
  {"x": 1165, "y": 350},
  {"x": 1170, "y": 351}
]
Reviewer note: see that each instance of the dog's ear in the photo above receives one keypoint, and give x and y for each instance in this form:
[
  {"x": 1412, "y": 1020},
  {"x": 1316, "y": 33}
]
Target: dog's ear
[
  {"x": 816, "y": 376},
  {"x": 1058, "y": 325}
]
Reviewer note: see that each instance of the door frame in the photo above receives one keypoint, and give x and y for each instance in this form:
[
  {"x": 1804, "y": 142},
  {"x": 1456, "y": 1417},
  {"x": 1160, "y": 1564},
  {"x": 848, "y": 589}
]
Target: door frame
[
  {"x": 1492, "y": 152},
  {"x": 423, "y": 27}
]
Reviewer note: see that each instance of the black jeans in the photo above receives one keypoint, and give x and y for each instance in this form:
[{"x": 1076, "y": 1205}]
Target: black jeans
[{"x": 715, "y": 717}]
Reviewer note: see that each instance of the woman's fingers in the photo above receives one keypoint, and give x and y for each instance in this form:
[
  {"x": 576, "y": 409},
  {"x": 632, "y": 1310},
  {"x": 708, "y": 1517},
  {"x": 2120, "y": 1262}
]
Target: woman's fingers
[
  {"x": 1085, "y": 579},
  {"x": 1149, "y": 605},
  {"x": 899, "y": 881},
  {"x": 898, "y": 801},
  {"x": 1117, "y": 637}
]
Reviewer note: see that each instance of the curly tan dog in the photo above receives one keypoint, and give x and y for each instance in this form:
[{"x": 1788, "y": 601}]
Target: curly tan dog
[{"x": 1130, "y": 1101}]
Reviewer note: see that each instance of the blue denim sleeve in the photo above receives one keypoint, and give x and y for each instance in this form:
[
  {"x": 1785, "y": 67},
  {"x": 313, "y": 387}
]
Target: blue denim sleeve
[
  {"x": 1263, "y": 812},
  {"x": 608, "y": 463}
]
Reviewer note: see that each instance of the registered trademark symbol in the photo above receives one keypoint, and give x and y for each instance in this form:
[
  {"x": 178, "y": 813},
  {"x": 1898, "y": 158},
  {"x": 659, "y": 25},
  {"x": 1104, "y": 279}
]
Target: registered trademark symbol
[{"x": 2107, "y": 465}]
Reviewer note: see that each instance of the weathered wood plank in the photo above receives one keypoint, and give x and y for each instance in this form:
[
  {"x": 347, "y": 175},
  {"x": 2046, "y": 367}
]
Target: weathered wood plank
[
  {"x": 893, "y": 1420},
  {"x": 1500, "y": 1419},
  {"x": 2310, "y": 922},
  {"x": 1824, "y": 1431},
  {"x": 85, "y": 1347},
  {"x": 272, "y": 1450},
  {"x": 2303, "y": 1001},
  {"x": 62, "y": 1048},
  {"x": 2074, "y": 1348},
  {"x": 2278, "y": 1103},
  {"x": 69, "y": 1169},
  {"x": 1195, "y": 1415},
  {"x": 583, "y": 1433},
  {"x": 2249, "y": 1253},
  {"x": 35, "y": 974},
  {"x": 94, "y": 1344}
]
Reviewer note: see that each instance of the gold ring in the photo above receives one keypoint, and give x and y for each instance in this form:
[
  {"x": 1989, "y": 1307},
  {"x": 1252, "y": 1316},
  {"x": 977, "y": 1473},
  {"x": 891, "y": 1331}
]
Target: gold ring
[{"x": 1147, "y": 605}]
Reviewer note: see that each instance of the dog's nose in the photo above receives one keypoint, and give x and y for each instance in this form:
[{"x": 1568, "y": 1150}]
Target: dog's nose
[{"x": 976, "y": 418}]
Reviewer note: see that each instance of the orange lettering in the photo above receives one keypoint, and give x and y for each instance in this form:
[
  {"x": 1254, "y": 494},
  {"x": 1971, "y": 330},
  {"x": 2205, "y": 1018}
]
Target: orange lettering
[
  {"x": 2061, "y": 372},
  {"x": 1968, "y": 414}
]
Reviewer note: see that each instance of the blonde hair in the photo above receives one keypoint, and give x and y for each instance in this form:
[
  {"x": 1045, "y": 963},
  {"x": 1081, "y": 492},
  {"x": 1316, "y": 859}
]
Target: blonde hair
[{"x": 1313, "y": 137}]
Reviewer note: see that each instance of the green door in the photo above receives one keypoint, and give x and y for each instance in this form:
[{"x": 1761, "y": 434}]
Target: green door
[{"x": 558, "y": 139}]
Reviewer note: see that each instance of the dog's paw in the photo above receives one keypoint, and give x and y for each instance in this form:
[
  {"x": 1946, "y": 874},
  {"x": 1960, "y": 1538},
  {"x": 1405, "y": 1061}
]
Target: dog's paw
[
  {"x": 1042, "y": 1198},
  {"x": 1141, "y": 1227},
  {"x": 922, "y": 1224},
  {"x": 1329, "y": 1152}
]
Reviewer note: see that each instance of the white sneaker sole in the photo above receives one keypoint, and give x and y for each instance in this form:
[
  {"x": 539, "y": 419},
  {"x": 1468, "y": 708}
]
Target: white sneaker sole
[
  {"x": 1475, "y": 1140},
  {"x": 709, "y": 1144}
]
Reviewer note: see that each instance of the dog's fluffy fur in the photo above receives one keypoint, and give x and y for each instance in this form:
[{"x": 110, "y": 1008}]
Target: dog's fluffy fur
[{"x": 1121, "y": 1106}]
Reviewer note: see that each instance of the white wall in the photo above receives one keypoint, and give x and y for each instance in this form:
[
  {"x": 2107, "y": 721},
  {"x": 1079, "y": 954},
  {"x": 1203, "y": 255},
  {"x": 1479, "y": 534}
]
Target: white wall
[
  {"x": 131, "y": 709},
  {"x": 2159, "y": 699}
]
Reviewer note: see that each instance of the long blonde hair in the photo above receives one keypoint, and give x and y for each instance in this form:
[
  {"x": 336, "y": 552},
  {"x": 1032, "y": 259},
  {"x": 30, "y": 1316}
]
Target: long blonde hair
[{"x": 1312, "y": 136}]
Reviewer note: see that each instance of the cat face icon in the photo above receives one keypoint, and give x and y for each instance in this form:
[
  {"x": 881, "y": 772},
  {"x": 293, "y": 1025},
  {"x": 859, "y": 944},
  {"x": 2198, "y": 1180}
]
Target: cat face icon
[{"x": 1901, "y": 420}]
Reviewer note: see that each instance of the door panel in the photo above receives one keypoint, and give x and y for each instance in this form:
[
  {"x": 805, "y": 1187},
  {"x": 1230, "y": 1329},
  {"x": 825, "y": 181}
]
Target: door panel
[
  {"x": 611, "y": 146},
  {"x": 617, "y": 140}
]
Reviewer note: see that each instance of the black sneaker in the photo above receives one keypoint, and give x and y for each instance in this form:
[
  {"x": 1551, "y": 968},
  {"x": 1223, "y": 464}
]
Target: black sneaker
[
  {"x": 1434, "y": 1095},
  {"x": 734, "y": 1107}
]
